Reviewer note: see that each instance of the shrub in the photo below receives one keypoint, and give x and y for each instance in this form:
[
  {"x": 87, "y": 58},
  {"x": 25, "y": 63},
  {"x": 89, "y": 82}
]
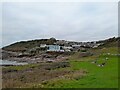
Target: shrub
[{"x": 57, "y": 65}]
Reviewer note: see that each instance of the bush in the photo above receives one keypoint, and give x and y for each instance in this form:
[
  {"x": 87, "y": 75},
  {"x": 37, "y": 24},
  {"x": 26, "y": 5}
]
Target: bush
[
  {"x": 57, "y": 65},
  {"x": 85, "y": 54},
  {"x": 83, "y": 50}
]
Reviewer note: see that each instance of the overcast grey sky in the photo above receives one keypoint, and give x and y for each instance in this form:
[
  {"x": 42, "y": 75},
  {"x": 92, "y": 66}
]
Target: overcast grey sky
[{"x": 69, "y": 21}]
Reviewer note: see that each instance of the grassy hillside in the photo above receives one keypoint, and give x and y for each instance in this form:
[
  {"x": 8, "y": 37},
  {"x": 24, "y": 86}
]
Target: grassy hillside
[
  {"x": 25, "y": 45},
  {"x": 110, "y": 42},
  {"x": 78, "y": 72},
  {"x": 96, "y": 77}
]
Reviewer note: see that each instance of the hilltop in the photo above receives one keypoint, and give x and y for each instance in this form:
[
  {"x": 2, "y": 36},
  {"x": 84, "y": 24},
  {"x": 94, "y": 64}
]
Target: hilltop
[
  {"x": 44, "y": 50},
  {"x": 26, "y": 45}
]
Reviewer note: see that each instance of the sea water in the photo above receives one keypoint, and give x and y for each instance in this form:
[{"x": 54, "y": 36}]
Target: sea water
[{"x": 7, "y": 62}]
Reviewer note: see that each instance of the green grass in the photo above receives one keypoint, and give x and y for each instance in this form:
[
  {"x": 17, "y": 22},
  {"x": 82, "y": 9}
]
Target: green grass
[{"x": 97, "y": 77}]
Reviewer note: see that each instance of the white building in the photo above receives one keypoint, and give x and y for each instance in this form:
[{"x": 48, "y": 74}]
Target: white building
[
  {"x": 43, "y": 45},
  {"x": 68, "y": 49},
  {"x": 54, "y": 48}
]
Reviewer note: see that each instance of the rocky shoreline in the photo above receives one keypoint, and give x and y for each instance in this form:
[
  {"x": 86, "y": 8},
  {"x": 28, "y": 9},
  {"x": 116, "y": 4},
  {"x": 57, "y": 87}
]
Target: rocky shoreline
[{"x": 43, "y": 57}]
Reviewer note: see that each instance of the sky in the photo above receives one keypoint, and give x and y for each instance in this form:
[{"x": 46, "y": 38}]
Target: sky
[{"x": 77, "y": 21}]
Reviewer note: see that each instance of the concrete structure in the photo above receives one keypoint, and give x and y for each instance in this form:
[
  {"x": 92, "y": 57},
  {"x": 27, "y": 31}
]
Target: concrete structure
[{"x": 53, "y": 48}]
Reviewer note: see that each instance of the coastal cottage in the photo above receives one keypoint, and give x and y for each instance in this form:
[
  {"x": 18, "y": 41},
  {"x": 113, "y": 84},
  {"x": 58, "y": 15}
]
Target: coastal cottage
[
  {"x": 97, "y": 45},
  {"x": 43, "y": 45},
  {"x": 76, "y": 47},
  {"x": 56, "y": 48},
  {"x": 67, "y": 48}
]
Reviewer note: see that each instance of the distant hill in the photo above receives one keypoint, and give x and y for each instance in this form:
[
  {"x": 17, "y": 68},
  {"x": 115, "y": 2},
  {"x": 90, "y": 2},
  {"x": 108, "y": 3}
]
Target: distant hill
[
  {"x": 25, "y": 45},
  {"x": 111, "y": 42}
]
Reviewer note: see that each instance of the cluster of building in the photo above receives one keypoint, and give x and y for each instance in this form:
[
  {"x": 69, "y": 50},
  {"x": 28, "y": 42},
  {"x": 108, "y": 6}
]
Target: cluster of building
[
  {"x": 56, "y": 48},
  {"x": 65, "y": 46}
]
